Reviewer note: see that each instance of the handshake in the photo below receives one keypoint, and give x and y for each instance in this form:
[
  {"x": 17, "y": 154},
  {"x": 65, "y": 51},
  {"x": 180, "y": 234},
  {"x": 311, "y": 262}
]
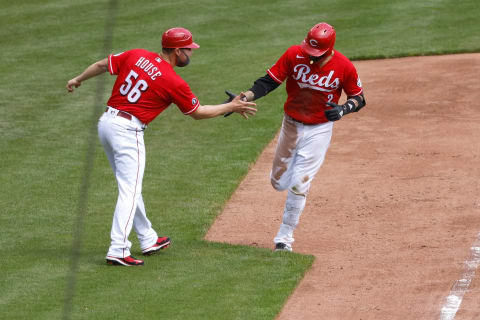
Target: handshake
[
  {"x": 334, "y": 114},
  {"x": 232, "y": 96}
]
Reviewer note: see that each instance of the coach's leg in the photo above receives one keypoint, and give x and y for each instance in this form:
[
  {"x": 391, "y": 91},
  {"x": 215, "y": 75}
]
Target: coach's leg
[
  {"x": 143, "y": 227},
  {"x": 141, "y": 224},
  {"x": 104, "y": 136},
  {"x": 129, "y": 158}
]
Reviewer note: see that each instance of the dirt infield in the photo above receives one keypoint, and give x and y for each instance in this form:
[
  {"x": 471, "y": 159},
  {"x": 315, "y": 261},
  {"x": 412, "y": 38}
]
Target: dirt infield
[{"x": 395, "y": 210}]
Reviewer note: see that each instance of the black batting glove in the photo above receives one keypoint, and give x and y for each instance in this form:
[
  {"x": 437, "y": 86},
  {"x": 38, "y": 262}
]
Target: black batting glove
[
  {"x": 230, "y": 95},
  {"x": 336, "y": 113}
]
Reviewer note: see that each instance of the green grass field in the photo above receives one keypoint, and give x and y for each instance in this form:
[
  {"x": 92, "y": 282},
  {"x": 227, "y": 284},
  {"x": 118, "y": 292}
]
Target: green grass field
[{"x": 193, "y": 167}]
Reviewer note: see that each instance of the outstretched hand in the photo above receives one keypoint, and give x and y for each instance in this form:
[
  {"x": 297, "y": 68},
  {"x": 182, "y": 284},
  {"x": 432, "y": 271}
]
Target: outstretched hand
[
  {"x": 232, "y": 96},
  {"x": 240, "y": 105}
]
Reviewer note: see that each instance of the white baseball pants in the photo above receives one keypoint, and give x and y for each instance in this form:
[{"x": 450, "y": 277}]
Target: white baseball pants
[
  {"x": 123, "y": 142},
  {"x": 299, "y": 155}
]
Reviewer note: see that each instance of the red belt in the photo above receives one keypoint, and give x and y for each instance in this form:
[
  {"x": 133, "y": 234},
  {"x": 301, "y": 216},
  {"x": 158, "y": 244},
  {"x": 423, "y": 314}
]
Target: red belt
[{"x": 122, "y": 114}]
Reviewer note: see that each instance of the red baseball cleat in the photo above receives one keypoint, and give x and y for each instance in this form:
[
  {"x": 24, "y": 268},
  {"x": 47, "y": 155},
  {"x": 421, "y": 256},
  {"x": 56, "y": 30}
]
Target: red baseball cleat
[
  {"x": 127, "y": 261},
  {"x": 162, "y": 243}
]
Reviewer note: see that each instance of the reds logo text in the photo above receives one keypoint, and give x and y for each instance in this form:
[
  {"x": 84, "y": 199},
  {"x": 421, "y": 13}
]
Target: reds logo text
[{"x": 314, "y": 81}]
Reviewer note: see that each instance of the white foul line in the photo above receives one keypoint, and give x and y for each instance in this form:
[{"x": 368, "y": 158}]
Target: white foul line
[{"x": 460, "y": 287}]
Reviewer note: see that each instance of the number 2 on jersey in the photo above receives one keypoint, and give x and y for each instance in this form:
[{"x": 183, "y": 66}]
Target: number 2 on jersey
[{"x": 133, "y": 94}]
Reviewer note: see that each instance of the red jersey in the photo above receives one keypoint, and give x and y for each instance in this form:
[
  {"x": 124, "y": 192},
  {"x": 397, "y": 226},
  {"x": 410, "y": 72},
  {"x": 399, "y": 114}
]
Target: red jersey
[
  {"x": 310, "y": 87},
  {"x": 146, "y": 85}
]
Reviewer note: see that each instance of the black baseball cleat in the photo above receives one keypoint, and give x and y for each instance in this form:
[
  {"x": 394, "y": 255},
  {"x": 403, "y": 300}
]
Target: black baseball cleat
[
  {"x": 127, "y": 261},
  {"x": 162, "y": 243},
  {"x": 282, "y": 247}
]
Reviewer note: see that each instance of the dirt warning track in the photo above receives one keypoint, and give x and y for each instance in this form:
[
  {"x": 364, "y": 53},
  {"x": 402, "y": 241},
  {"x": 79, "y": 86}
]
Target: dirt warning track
[{"x": 394, "y": 213}]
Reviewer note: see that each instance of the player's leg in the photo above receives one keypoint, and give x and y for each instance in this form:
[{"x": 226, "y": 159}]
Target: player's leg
[
  {"x": 293, "y": 208},
  {"x": 310, "y": 155},
  {"x": 280, "y": 176}
]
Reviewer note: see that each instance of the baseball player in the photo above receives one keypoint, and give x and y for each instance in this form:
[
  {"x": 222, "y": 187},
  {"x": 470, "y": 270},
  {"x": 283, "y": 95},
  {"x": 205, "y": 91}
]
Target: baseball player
[
  {"x": 316, "y": 74},
  {"x": 146, "y": 84}
]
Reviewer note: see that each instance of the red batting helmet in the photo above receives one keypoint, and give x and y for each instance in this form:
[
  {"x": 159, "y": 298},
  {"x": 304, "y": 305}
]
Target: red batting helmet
[
  {"x": 319, "y": 40},
  {"x": 178, "y": 38}
]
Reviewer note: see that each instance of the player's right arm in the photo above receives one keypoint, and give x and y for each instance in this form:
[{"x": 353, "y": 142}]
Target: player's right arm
[
  {"x": 93, "y": 70},
  {"x": 261, "y": 87},
  {"x": 274, "y": 77}
]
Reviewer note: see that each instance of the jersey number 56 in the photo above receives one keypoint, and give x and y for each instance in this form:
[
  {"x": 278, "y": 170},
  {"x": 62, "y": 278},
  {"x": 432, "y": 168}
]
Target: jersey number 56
[{"x": 133, "y": 94}]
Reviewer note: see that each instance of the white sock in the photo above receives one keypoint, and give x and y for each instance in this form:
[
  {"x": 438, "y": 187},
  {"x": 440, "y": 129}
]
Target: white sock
[{"x": 291, "y": 215}]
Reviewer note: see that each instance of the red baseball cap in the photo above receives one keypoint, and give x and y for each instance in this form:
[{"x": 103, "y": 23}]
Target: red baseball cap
[
  {"x": 319, "y": 40},
  {"x": 178, "y": 38}
]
